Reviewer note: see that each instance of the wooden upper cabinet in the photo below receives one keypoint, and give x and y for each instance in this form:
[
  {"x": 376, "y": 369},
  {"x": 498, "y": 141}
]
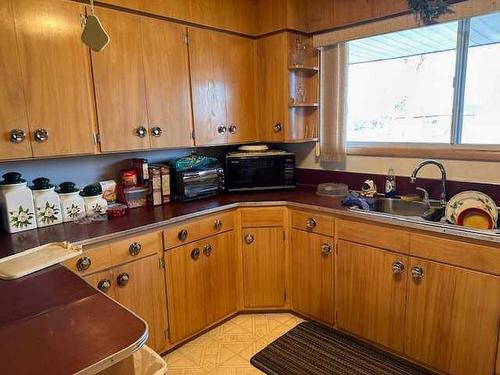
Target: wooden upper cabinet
[
  {"x": 166, "y": 70},
  {"x": 13, "y": 117},
  {"x": 370, "y": 298},
  {"x": 453, "y": 317},
  {"x": 120, "y": 85},
  {"x": 57, "y": 83},
  {"x": 223, "y": 87}
]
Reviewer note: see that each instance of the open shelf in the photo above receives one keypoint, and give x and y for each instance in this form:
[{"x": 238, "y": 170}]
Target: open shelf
[
  {"x": 304, "y": 68},
  {"x": 304, "y": 105}
]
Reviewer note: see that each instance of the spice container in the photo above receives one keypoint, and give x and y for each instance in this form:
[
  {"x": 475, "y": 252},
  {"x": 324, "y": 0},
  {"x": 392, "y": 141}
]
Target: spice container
[
  {"x": 155, "y": 197},
  {"x": 165, "y": 183},
  {"x": 133, "y": 196},
  {"x": 16, "y": 204},
  {"x": 94, "y": 202},
  {"x": 47, "y": 203},
  {"x": 129, "y": 177},
  {"x": 141, "y": 167},
  {"x": 72, "y": 203}
]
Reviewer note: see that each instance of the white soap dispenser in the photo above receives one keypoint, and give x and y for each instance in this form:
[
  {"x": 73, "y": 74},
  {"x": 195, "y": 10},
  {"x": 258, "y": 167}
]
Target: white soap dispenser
[{"x": 16, "y": 204}]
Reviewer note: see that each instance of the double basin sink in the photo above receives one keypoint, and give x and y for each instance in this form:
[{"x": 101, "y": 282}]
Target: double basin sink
[{"x": 399, "y": 207}]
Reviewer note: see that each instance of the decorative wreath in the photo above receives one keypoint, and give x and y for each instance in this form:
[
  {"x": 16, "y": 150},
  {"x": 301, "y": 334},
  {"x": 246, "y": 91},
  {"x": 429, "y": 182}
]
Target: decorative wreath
[{"x": 427, "y": 11}]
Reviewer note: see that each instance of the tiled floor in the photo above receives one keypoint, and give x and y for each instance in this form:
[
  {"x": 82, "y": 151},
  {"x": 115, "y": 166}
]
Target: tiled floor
[{"x": 227, "y": 349}]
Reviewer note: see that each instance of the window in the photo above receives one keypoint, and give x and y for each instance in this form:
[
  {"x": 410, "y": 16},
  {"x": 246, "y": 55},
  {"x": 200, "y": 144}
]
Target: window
[{"x": 432, "y": 85}]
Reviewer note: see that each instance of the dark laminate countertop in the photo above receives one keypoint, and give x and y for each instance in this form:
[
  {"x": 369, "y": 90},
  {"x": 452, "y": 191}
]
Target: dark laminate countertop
[{"x": 53, "y": 322}]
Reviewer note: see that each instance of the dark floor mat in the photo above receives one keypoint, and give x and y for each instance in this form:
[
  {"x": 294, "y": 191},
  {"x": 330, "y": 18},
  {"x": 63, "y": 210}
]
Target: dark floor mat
[{"x": 311, "y": 348}]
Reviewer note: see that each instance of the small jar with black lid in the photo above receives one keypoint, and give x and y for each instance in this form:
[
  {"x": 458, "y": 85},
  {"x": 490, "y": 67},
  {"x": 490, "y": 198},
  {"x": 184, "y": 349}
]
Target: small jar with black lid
[
  {"x": 94, "y": 202},
  {"x": 47, "y": 203},
  {"x": 72, "y": 204},
  {"x": 16, "y": 204}
]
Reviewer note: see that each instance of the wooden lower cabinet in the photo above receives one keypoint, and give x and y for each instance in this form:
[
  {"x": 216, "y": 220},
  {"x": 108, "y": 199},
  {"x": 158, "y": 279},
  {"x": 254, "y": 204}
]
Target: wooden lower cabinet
[
  {"x": 312, "y": 257},
  {"x": 139, "y": 286},
  {"x": 264, "y": 263},
  {"x": 201, "y": 279},
  {"x": 452, "y": 318},
  {"x": 370, "y": 297}
]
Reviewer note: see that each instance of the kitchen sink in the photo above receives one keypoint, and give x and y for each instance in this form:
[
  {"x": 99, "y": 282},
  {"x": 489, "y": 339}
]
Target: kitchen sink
[{"x": 399, "y": 207}]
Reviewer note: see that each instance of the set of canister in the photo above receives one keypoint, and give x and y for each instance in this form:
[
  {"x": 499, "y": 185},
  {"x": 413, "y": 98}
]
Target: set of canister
[{"x": 24, "y": 208}]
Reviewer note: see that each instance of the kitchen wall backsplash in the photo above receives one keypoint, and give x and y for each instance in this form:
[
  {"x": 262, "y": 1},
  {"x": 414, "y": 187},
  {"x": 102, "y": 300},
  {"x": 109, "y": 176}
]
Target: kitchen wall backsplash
[{"x": 92, "y": 168}]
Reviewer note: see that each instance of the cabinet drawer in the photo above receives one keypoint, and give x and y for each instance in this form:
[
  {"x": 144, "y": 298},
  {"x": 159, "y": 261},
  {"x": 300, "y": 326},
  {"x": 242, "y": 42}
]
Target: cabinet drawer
[
  {"x": 92, "y": 260},
  {"x": 136, "y": 247},
  {"x": 375, "y": 235},
  {"x": 463, "y": 254},
  {"x": 262, "y": 217},
  {"x": 200, "y": 228},
  {"x": 312, "y": 222}
]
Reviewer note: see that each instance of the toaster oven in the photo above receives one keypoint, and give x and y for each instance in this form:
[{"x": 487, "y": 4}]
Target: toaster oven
[{"x": 189, "y": 185}]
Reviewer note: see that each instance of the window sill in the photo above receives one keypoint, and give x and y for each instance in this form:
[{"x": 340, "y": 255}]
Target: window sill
[{"x": 473, "y": 153}]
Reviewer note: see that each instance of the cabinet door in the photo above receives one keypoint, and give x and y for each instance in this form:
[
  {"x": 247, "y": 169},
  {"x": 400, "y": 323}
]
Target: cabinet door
[
  {"x": 55, "y": 66},
  {"x": 272, "y": 88},
  {"x": 12, "y": 105},
  {"x": 453, "y": 317},
  {"x": 221, "y": 275},
  {"x": 188, "y": 290},
  {"x": 370, "y": 297},
  {"x": 240, "y": 89},
  {"x": 144, "y": 294},
  {"x": 119, "y": 84},
  {"x": 166, "y": 71},
  {"x": 313, "y": 275},
  {"x": 104, "y": 281},
  {"x": 207, "y": 58},
  {"x": 263, "y": 267}
]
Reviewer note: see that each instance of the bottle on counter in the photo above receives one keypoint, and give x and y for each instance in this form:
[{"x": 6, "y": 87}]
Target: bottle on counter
[
  {"x": 72, "y": 203},
  {"x": 390, "y": 184},
  {"x": 16, "y": 204},
  {"x": 47, "y": 203},
  {"x": 94, "y": 202}
]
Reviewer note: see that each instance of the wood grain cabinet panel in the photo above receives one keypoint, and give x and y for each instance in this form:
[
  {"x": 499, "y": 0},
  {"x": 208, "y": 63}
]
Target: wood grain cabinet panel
[
  {"x": 56, "y": 73},
  {"x": 120, "y": 83},
  {"x": 453, "y": 318},
  {"x": 370, "y": 297},
  {"x": 166, "y": 71},
  {"x": 313, "y": 222},
  {"x": 223, "y": 87},
  {"x": 12, "y": 104},
  {"x": 312, "y": 258},
  {"x": 262, "y": 217},
  {"x": 144, "y": 294},
  {"x": 263, "y": 267}
]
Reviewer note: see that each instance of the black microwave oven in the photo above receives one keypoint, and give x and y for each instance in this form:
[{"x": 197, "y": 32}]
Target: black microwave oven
[{"x": 269, "y": 170}]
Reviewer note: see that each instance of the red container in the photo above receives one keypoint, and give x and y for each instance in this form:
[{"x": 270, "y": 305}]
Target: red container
[{"x": 129, "y": 177}]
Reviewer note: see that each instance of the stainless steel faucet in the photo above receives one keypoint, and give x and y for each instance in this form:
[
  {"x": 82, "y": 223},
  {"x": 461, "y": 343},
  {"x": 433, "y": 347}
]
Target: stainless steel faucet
[{"x": 413, "y": 177}]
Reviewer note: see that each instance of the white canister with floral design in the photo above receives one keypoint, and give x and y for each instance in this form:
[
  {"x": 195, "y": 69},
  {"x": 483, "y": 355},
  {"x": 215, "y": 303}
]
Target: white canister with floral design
[
  {"x": 72, "y": 204},
  {"x": 47, "y": 203},
  {"x": 95, "y": 204},
  {"x": 16, "y": 204}
]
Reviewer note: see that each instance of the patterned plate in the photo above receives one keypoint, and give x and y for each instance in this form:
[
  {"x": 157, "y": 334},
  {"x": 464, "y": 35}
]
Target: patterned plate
[{"x": 471, "y": 199}]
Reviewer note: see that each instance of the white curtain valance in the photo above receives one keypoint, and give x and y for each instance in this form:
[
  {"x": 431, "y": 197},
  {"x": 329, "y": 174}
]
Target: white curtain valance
[{"x": 468, "y": 8}]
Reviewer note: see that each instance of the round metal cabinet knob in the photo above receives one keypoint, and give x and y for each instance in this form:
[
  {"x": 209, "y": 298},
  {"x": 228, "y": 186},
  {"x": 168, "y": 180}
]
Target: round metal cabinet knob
[
  {"x": 135, "y": 248},
  {"x": 278, "y": 127},
  {"x": 83, "y": 264},
  {"x": 141, "y": 131},
  {"x": 104, "y": 285},
  {"x": 156, "y": 131},
  {"x": 326, "y": 249},
  {"x": 183, "y": 235},
  {"x": 311, "y": 223},
  {"x": 222, "y": 129},
  {"x": 398, "y": 267},
  {"x": 17, "y": 135},
  {"x": 417, "y": 272},
  {"x": 207, "y": 249},
  {"x": 41, "y": 135},
  {"x": 232, "y": 129},
  {"x": 249, "y": 238},
  {"x": 195, "y": 254},
  {"x": 218, "y": 225},
  {"x": 122, "y": 279}
]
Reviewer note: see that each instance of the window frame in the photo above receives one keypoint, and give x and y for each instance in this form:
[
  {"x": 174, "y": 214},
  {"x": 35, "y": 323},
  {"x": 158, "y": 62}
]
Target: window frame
[{"x": 453, "y": 150}]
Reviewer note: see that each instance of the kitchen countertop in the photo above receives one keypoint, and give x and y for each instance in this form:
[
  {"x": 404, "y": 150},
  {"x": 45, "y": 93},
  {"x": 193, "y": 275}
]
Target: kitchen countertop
[
  {"x": 139, "y": 219},
  {"x": 52, "y": 321}
]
